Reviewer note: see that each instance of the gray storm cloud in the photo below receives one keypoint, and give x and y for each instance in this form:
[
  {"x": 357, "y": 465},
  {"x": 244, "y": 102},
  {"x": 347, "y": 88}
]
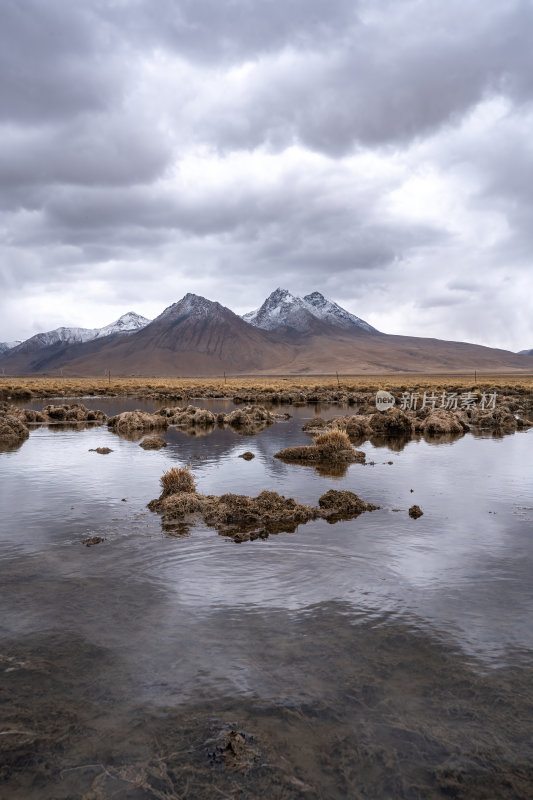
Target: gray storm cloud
[{"x": 378, "y": 152}]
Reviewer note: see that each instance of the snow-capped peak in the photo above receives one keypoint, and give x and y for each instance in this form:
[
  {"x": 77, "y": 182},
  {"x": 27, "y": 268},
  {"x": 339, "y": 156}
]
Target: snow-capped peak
[
  {"x": 59, "y": 336},
  {"x": 5, "y": 346},
  {"x": 280, "y": 309},
  {"x": 126, "y": 324},
  {"x": 283, "y": 309},
  {"x": 332, "y": 312},
  {"x": 192, "y": 304}
]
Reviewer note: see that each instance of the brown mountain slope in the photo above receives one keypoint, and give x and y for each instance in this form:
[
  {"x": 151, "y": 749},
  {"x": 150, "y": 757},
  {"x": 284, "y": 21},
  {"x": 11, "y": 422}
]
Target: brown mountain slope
[
  {"x": 192, "y": 337},
  {"x": 219, "y": 351},
  {"x": 385, "y": 353},
  {"x": 196, "y": 337}
]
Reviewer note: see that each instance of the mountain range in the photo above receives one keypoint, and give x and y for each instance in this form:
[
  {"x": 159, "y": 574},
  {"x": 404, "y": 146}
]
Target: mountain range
[
  {"x": 127, "y": 323},
  {"x": 286, "y": 335}
]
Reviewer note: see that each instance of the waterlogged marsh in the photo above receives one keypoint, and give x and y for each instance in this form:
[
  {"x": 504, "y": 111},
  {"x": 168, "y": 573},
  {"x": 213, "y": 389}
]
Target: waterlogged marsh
[{"x": 381, "y": 657}]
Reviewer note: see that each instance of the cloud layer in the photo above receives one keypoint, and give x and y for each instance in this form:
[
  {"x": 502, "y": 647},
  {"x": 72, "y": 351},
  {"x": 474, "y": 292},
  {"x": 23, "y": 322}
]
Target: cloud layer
[{"x": 378, "y": 152}]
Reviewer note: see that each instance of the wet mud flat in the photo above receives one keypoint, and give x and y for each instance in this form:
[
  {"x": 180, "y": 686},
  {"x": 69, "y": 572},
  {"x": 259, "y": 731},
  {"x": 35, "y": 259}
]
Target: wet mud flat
[{"x": 354, "y": 709}]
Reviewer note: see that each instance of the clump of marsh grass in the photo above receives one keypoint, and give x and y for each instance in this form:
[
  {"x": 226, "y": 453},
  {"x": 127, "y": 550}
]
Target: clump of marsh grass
[
  {"x": 153, "y": 443},
  {"x": 334, "y": 440},
  {"x": 176, "y": 480},
  {"x": 248, "y": 518},
  {"x": 331, "y": 447}
]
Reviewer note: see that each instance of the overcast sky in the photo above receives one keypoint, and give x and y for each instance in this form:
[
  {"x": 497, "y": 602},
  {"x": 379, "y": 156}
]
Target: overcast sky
[{"x": 380, "y": 152}]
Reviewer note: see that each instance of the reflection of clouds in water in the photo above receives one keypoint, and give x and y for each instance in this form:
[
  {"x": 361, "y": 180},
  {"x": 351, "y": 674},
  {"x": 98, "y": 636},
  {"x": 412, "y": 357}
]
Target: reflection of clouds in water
[
  {"x": 459, "y": 568},
  {"x": 453, "y": 566}
]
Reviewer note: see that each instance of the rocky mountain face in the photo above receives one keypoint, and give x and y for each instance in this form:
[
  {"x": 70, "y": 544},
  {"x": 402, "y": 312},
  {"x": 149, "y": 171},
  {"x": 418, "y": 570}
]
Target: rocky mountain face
[
  {"x": 194, "y": 336},
  {"x": 5, "y": 346},
  {"x": 282, "y": 309},
  {"x": 526, "y": 352},
  {"x": 287, "y": 335},
  {"x": 192, "y": 306},
  {"x": 127, "y": 323},
  {"x": 330, "y": 312}
]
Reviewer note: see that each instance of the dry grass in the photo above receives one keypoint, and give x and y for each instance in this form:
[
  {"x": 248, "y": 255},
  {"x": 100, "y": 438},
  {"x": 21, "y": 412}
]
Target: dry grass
[
  {"x": 153, "y": 443},
  {"x": 74, "y": 387},
  {"x": 333, "y": 440},
  {"x": 177, "y": 480},
  {"x": 244, "y": 518},
  {"x": 333, "y": 446}
]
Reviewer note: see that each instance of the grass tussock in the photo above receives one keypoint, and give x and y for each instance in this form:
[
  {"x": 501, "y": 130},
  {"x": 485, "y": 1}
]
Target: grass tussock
[
  {"x": 344, "y": 503},
  {"x": 244, "y": 518},
  {"x": 153, "y": 443},
  {"x": 181, "y": 504},
  {"x": 334, "y": 440},
  {"x": 331, "y": 447},
  {"x": 178, "y": 479}
]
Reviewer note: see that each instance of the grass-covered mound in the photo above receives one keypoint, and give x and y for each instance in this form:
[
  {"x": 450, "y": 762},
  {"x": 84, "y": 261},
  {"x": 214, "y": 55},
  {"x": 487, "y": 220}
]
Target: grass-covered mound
[
  {"x": 332, "y": 446},
  {"x": 243, "y": 517}
]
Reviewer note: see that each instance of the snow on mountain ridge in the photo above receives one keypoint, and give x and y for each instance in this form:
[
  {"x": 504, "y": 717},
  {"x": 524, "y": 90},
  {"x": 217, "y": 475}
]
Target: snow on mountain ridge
[
  {"x": 127, "y": 323},
  {"x": 282, "y": 308},
  {"x": 194, "y": 305},
  {"x": 5, "y": 346},
  {"x": 327, "y": 309}
]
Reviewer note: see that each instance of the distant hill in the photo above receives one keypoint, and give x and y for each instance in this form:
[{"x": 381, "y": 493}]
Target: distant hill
[{"x": 287, "y": 335}]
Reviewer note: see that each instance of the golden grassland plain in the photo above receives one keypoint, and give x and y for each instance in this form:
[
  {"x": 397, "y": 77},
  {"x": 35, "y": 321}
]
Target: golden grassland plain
[{"x": 135, "y": 386}]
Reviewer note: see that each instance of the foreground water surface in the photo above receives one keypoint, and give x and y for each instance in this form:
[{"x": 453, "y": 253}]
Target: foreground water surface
[{"x": 380, "y": 657}]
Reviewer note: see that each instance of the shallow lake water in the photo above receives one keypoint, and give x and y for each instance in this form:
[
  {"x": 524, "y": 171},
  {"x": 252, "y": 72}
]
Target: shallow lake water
[{"x": 380, "y": 657}]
